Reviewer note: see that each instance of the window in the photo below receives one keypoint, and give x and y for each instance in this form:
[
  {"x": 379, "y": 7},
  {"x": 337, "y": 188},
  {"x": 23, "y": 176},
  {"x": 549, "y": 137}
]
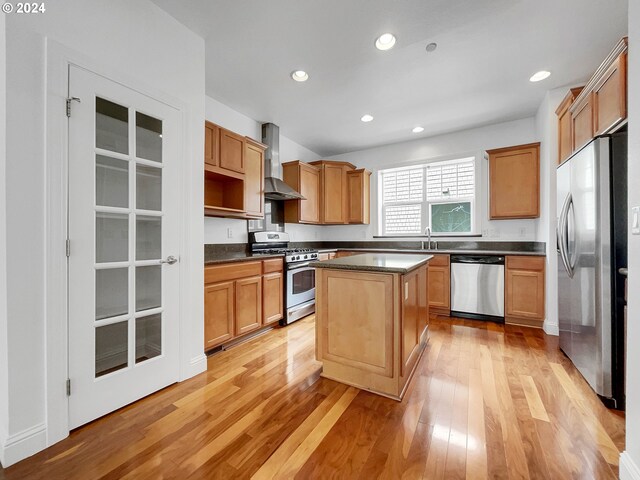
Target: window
[{"x": 440, "y": 195}]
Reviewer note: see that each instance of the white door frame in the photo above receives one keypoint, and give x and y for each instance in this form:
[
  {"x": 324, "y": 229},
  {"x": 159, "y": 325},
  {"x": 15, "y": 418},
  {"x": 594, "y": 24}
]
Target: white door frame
[{"x": 58, "y": 58}]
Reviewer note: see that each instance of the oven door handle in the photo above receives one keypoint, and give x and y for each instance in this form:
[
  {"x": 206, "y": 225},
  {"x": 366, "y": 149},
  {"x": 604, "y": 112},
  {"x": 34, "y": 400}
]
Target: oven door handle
[{"x": 298, "y": 266}]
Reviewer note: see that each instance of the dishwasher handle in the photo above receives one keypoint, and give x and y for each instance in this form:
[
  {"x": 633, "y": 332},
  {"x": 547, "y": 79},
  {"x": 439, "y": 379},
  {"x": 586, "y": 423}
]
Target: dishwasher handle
[{"x": 481, "y": 259}]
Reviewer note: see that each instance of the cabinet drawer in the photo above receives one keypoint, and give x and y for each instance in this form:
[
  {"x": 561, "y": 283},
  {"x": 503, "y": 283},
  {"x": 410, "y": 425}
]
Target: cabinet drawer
[
  {"x": 231, "y": 271},
  {"x": 439, "y": 261},
  {"x": 272, "y": 265},
  {"x": 525, "y": 263}
]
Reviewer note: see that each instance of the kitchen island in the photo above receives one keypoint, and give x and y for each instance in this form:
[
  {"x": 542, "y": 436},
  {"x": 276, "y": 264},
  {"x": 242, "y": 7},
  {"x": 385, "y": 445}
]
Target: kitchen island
[{"x": 372, "y": 315}]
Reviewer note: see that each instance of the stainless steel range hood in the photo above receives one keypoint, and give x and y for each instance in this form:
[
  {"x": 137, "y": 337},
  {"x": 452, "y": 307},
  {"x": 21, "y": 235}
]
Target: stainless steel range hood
[{"x": 274, "y": 187}]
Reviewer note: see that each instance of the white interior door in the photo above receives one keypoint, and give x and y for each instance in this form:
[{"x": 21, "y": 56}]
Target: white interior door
[{"x": 123, "y": 229}]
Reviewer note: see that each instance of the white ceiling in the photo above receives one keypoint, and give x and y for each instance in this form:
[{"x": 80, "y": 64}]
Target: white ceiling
[{"x": 487, "y": 50}]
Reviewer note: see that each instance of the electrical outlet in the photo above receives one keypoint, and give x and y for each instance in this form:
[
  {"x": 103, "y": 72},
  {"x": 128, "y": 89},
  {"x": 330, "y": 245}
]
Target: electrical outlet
[
  {"x": 485, "y": 232},
  {"x": 522, "y": 231},
  {"x": 229, "y": 232},
  {"x": 635, "y": 222}
]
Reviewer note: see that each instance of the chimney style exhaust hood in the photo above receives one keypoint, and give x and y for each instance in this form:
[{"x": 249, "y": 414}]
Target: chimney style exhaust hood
[{"x": 274, "y": 187}]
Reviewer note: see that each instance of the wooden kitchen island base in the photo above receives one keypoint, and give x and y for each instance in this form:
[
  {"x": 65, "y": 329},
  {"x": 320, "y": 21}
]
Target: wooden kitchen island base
[{"x": 371, "y": 320}]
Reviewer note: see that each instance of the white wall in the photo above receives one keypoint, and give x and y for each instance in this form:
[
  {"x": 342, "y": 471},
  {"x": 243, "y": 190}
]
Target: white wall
[
  {"x": 4, "y": 413},
  {"x": 547, "y": 128},
  {"x": 464, "y": 142},
  {"x": 144, "y": 43},
  {"x": 630, "y": 460},
  {"x": 216, "y": 230}
]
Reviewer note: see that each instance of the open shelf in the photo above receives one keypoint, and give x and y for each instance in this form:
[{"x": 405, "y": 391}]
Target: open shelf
[{"x": 223, "y": 193}]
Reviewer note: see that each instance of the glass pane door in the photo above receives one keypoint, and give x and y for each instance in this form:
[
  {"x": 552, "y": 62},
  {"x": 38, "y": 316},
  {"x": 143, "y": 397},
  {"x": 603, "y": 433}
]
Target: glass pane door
[{"x": 128, "y": 233}]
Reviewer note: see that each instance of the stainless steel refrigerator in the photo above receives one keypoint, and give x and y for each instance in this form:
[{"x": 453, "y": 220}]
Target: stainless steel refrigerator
[{"x": 592, "y": 247}]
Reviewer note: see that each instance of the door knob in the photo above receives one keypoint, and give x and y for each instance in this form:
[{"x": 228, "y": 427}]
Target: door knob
[{"x": 170, "y": 260}]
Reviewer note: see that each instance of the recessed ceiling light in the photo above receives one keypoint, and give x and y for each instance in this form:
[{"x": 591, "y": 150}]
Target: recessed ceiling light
[
  {"x": 366, "y": 118},
  {"x": 538, "y": 76},
  {"x": 385, "y": 41},
  {"x": 431, "y": 47},
  {"x": 418, "y": 129},
  {"x": 300, "y": 75}
]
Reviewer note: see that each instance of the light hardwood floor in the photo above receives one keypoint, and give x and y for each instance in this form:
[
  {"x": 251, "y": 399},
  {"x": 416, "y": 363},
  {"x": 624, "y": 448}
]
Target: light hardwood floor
[{"x": 487, "y": 401}]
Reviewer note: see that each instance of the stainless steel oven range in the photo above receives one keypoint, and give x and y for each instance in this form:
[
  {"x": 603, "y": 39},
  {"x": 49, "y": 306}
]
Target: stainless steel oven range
[{"x": 300, "y": 278}]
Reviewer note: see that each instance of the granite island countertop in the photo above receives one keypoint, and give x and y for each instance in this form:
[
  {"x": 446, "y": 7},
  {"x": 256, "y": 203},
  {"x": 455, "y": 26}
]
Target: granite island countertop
[{"x": 377, "y": 262}]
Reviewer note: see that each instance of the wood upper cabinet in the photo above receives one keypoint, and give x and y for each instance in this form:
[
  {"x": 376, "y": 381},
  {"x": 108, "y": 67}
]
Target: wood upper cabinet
[
  {"x": 514, "y": 182},
  {"x": 440, "y": 284},
  {"x": 524, "y": 290},
  {"x": 565, "y": 142},
  {"x": 218, "y": 314},
  {"x": 304, "y": 178},
  {"x": 248, "y": 305},
  {"x": 254, "y": 178},
  {"x": 596, "y": 109},
  {"x": 231, "y": 151},
  {"x": 610, "y": 96},
  {"x": 211, "y": 144},
  {"x": 272, "y": 297},
  {"x": 333, "y": 191},
  {"x": 359, "y": 195},
  {"x": 582, "y": 128}
]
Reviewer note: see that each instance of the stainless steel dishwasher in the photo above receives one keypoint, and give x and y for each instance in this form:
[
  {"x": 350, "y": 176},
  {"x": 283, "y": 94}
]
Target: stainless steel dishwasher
[{"x": 477, "y": 287}]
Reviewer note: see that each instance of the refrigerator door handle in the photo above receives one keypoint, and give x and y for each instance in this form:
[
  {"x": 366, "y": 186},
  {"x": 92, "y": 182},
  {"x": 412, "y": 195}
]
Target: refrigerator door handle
[
  {"x": 562, "y": 235},
  {"x": 570, "y": 226}
]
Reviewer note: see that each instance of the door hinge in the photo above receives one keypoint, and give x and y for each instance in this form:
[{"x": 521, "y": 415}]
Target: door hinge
[
  {"x": 68, "y": 387},
  {"x": 69, "y": 100},
  {"x": 68, "y": 248}
]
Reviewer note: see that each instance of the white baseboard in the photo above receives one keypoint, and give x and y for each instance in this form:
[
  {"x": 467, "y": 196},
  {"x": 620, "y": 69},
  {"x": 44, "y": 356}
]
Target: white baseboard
[
  {"x": 550, "y": 328},
  {"x": 23, "y": 444},
  {"x": 629, "y": 470},
  {"x": 196, "y": 365}
]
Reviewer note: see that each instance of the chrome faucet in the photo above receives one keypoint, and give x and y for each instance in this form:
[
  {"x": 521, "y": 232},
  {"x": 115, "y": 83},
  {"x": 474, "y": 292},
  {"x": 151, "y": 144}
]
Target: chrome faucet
[{"x": 427, "y": 232}]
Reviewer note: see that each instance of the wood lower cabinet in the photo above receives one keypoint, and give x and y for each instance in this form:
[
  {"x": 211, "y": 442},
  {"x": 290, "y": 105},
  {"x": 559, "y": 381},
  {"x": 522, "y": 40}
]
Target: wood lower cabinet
[
  {"x": 272, "y": 298},
  {"x": 248, "y": 305},
  {"x": 359, "y": 201},
  {"x": 525, "y": 290},
  {"x": 305, "y": 179},
  {"x": 371, "y": 327},
  {"x": 240, "y": 298},
  {"x": 254, "y": 178},
  {"x": 514, "y": 182},
  {"x": 218, "y": 314},
  {"x": 440, "y": 284}
]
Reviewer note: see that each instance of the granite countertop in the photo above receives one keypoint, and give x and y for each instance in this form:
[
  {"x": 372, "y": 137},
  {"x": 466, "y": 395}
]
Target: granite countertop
[
  {"x": 238, "y": 257},
  {"x": 444, "y": 251},
  {"x": 376, "y": 262}
]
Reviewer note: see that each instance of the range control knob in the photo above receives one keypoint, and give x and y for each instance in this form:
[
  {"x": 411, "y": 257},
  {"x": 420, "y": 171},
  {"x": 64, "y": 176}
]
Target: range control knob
[{"x": 305, "y": 256}]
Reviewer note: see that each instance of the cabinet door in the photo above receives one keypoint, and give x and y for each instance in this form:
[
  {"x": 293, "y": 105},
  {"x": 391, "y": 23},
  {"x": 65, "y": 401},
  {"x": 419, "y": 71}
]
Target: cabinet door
[
  {"x": 334, "y": 199},
  {"x": 248, "y": 304},
  {"x": 610, "y": 96},
  {"x": 273, "y": 299},
  {"x": 211, "y": 146},
  {"x": 439, "y": 287},
  {"x": 231, "y": 151},
  {"x": 218, "y": 314},
  {"x": 358, "y": 196},
  {"x": 410, "y": 332},
  {"x": 582, "y": 123},
  {"x": 524, "y": 287},
  {"x": 514, "y": 182},
  {"x": 253, "y": 180},
  {"x": 310, "y": 190}
]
